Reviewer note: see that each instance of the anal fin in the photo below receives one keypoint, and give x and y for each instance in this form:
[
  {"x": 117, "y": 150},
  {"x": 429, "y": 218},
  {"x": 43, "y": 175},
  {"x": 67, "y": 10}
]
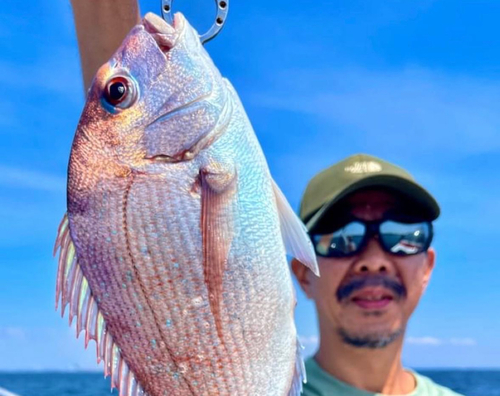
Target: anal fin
[{"x": 299, "y": 373}]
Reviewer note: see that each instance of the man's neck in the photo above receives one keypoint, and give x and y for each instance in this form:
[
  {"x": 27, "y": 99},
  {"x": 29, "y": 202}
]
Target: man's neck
[{"x": 373, "y": 370}]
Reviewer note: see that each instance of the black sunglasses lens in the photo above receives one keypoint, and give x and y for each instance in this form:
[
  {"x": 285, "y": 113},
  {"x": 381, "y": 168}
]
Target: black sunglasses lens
[
  {"x": 341, "y": 243},
  {"x": 405, "y": 239}
]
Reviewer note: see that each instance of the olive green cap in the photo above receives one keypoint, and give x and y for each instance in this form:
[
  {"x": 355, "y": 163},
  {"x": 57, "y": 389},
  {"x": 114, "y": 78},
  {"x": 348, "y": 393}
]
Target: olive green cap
[{"x": 354, "y": 173}]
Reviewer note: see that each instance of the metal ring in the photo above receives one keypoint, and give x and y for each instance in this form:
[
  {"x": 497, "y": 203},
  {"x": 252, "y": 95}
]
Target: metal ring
[{"x": 220, "y": 19}]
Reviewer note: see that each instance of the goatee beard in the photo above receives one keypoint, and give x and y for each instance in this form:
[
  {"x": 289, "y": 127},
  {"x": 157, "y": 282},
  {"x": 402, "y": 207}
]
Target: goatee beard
[{"x": 370, "y": 341}]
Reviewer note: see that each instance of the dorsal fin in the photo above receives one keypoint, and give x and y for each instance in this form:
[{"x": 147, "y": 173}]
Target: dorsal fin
[{"x": 73, "y": 288}]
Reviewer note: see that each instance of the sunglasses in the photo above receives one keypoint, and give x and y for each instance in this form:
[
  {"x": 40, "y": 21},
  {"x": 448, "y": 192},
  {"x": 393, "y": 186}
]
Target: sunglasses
[{"x": 395, "y": 237}]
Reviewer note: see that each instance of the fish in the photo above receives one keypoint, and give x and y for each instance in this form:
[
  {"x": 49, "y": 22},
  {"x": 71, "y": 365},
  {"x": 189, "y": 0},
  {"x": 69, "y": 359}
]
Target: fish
[{"x": 173, "y": 252}]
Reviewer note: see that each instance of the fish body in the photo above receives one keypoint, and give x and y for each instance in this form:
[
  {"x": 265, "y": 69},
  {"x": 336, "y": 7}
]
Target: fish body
[{"x": 173, "y": 249}]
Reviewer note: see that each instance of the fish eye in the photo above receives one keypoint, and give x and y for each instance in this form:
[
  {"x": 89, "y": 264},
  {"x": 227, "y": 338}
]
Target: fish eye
[{"x": 119, "y": 92}]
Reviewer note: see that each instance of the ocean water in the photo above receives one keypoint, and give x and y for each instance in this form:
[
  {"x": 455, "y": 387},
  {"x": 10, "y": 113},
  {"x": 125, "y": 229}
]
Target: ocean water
[{"x": 467, "y": 382}]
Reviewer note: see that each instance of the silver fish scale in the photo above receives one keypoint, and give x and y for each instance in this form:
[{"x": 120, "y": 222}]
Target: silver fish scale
[{"x": 270, "y": 299}]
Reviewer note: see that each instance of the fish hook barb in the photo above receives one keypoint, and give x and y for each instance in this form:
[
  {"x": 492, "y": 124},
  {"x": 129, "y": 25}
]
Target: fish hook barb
[{"x": 220, "y": 19}]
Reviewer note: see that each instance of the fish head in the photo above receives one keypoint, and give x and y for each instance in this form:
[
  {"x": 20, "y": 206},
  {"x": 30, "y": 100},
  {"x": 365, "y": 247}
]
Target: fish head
[{"x": 157, "y": 97}]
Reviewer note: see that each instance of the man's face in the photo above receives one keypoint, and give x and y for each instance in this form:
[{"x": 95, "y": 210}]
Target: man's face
[{"x": 368, "y": 298}]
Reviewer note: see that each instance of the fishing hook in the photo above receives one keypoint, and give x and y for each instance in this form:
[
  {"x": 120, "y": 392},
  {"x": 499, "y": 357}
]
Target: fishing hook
[{"x": 220, "y": 19}]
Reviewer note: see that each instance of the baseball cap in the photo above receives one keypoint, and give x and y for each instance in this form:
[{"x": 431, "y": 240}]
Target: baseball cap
[{"x": 358, "y": 172}]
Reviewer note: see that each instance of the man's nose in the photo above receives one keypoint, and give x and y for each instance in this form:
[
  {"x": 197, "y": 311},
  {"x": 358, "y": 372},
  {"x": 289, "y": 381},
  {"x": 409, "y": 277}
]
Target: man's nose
[{"x": 373, "y": 260}]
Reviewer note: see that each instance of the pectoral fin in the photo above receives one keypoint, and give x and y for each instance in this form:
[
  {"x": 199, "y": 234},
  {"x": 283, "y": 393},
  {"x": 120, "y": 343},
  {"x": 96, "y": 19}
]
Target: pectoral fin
[
  {"x": 295, "y": 237},
  {"x": 218, "y": 185}
]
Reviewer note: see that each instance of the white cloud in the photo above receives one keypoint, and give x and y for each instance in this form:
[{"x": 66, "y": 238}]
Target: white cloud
[
  {"x": 410, "y": 108},
  {"x": 15, "y": 177},
  {"x": 434, "y": 341},
  {"x": 463, "y": 341},
  {"x": 424, "y": 340},
  {"x": 310, "y": 345},
  {"x": 12, "y": 333},
  {"x": 45, "y": 348},
  {"x": 310, "y": 341}
]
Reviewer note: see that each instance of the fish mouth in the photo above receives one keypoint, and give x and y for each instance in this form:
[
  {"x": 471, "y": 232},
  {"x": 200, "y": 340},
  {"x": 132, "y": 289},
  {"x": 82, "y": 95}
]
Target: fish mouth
[
  {"x": 162, "y": 32},
  {"x": 166, "y": 37}
]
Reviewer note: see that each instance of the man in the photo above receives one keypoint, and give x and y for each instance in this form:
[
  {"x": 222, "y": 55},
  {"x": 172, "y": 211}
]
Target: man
[{"x": 371, "y": 226}]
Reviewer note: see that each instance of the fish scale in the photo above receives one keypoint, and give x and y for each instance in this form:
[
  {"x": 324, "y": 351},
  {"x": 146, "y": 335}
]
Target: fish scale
[
  {"x": 196, "y": 281},
  {"x": 173, "y": 250}
]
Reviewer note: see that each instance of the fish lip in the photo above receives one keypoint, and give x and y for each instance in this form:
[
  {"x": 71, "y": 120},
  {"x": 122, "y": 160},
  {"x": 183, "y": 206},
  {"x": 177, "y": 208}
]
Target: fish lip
[{"x": 164, "y": 38}]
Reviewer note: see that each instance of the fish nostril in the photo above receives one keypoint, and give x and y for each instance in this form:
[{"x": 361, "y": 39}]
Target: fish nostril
[
  {"x": 364, "y": 268},
  {"x": 383, "y": 269}
]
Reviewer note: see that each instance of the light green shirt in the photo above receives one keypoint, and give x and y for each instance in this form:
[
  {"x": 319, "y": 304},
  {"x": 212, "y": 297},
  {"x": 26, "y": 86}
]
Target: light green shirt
[{"x": 320, "y": 383}]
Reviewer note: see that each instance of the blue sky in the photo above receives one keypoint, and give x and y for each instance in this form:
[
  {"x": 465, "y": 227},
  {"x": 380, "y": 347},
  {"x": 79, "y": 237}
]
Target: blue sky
[{"x": 416, "y": 83}]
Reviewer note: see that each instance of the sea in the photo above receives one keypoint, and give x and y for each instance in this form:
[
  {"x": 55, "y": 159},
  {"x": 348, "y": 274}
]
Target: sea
[{"x": 466, "y": 382}]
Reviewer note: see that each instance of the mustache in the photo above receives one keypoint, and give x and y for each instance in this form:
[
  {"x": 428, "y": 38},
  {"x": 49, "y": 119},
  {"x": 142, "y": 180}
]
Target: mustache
[{"x": 359, "y": 283}]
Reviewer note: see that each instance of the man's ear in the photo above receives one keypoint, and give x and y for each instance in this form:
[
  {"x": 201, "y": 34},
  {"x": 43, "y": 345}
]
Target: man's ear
[
  {"x": 303, "y": 275},
  {"x": 430, "y": 258}
]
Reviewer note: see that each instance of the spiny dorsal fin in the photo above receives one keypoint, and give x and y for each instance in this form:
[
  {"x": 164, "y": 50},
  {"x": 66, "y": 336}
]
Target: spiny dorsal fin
[{"x": 72, "y": 288}]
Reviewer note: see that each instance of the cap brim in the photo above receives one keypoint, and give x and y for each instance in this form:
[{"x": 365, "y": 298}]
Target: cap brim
[{"x": 428, "y": 208}]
